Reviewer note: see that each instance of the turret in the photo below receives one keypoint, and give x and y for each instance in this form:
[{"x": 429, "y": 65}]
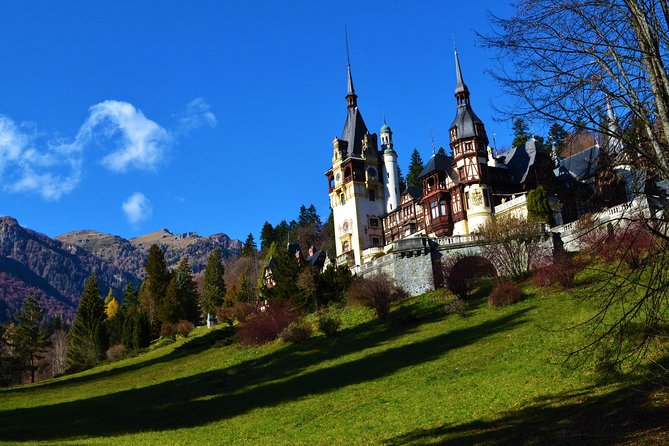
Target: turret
[{"x": 391, "y": 172}]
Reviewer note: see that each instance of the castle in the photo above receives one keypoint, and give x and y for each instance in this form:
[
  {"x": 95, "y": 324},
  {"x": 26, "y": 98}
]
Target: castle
[{"x": 460, "y": 193}]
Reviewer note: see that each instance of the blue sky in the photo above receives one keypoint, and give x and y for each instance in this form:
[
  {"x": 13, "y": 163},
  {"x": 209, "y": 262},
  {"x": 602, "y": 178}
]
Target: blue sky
[{"x": 211, "y": 116}]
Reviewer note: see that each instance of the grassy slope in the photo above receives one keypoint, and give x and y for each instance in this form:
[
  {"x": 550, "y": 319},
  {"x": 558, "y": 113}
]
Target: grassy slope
[{"x": 493, "y": 377}]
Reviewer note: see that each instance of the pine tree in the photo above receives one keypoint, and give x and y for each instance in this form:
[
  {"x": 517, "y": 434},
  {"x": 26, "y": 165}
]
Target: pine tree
[
  {"x": 30, "y": 340},
  {"x": 538, "y": 206},
  {"x": 557, "y": 136},
  {"x": 249, "y": 248},
  {"x": 401, "y": 180},
  {"x": 86, "y": 339},
  {"x": 188, "y": 297},
  {"x": 416, "y": 166},
  {"x": 213, "y": 293},
  {"x": 267, "y": 236},
  {"x": 520, "y": 132},
  {"x": 308, "y": 216},
  {"x": 130, "y": 299},
  {"x": 154, "y": 287},
  {"x": 441, "y": 151}
]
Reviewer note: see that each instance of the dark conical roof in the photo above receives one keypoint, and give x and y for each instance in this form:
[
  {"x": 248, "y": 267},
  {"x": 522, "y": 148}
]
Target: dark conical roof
[
  {"x": 465, "y": 119},
  {"x": 439, "y": 162},
  {"x": 354, "y": 127},
  {"x": 460, "y": 86}
]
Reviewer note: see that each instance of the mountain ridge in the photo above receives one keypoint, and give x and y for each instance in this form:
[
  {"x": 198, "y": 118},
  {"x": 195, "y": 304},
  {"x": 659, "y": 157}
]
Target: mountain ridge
[{"x": 56, "y": 268}]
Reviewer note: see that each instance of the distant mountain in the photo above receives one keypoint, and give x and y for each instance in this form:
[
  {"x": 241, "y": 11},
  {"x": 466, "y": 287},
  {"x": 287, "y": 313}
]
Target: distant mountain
[{"x": 56, "y": 269}]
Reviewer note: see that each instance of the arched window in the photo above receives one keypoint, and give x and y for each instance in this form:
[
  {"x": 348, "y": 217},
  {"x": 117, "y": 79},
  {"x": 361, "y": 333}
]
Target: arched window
[
  {"x": 342, "y": 199},
  {"x": 347, "y": 173},
  {"x": 346, "y": 247}
]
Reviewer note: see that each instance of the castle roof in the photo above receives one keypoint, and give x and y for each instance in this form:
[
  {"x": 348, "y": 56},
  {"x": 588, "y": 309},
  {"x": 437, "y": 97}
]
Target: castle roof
[
  {"x": 441, "y": 163},
  {"x": 354, "y": 130},
  {"x": 519, "y": 159},
  {"x": 581, "y": 165},
  {"x": 464, "y": 121}
]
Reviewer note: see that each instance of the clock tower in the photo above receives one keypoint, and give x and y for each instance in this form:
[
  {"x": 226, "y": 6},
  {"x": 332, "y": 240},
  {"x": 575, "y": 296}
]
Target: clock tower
[{"x": 356, "y": 187}]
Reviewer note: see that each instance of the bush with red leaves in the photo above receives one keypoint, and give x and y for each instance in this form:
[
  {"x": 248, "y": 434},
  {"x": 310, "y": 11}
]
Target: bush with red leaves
[
  {"x": 181, "y": 328},
  {"x": 505, "y": 293},
  {"x": 377, "y": 291},
  {"x": 629, "y": 244},
  {"x": 463, "y": 273},
  {"x": 561, "y": 269},
  {"x": 265, "y": 326},
  {"x": 236, "y": 313}
]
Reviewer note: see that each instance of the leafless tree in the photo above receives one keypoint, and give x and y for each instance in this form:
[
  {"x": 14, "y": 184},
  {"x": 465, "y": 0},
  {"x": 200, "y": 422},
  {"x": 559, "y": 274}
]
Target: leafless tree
[
  {"x": 569, "y": 61},
  {"x": 564, "y": 59},
  {"x": 512, "y": 244}
]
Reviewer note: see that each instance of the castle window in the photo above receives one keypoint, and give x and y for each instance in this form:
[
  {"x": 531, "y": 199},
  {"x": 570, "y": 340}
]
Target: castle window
[
  {"x": 468, "y": 146},
  {"x": 342, "y": 198},
  {"x": 372, "y": 195},
  {"x": 374, "y": 222},
  {"x": 485, "y": 198},
  {"x": 331, "y": 182},
  {"x": 434, "y": 210},
  {"x": 347, "y": 173},
  {"x": 467, "y": 200},
  {"x": 346, "y": 246},
  {"x": 442, "y": 207},
  {"x": 376, "y": 241}
]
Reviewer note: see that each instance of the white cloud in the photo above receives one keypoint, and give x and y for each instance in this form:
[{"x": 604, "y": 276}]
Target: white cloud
[
  {"x": 51, "y": 172},
  {"x": 198, "y": 114},
  {"x": 141, "y": 143},
  {"x": 30, "y": 163},
  {"x": 137, "y": 208}
]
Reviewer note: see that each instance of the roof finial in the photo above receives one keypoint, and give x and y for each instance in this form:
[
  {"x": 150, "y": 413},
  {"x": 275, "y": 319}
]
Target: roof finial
[
  {"x": 432, "y": 138},
  {"x": 461, "y": 90},
  {"x": 351, "y": 97}
]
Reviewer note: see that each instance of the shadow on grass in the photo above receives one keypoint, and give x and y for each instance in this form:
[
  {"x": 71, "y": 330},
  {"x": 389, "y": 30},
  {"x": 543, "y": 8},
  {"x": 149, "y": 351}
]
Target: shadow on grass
[
  {"x": 625, "y": 416},
  {"x": 272, "y": 380},
  {"x": 215, "y": 338}
]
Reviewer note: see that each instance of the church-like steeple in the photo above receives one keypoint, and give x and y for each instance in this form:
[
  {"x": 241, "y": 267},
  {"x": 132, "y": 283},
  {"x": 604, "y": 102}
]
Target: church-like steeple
[
  {"x": 351, "y": 97},
  {"x": 461, "y": 90}
]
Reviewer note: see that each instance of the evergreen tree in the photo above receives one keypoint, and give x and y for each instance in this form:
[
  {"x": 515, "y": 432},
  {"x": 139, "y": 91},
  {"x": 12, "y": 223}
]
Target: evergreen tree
[
  {"x": 29, "y": 338},
  {"x": 141, "y": 331},
  {"x": 282, "y": 232},
  {"x": 285, "y": 271},
  {"x": 86, "y": 339},
  {"x": 520, "y": 132},
  {"x": 538, "y": 206},
  {"x": 154, "y": 287},
  {"x": 402, "y": 182},
  {"x": 180, "y": 302},
  {"x": 213, "y": 293},
  {"x": 130, "y": 299},
  {"x": 557, "y": 136},
  {"x": 308, "y": 216},
  {"x": 416, "y": 166},
  {"x": 249, "y": 248},
  {"x": 441, "y": 151},
  {"x": 330, "y": 236},
  {"x": 267, "y": 236}
]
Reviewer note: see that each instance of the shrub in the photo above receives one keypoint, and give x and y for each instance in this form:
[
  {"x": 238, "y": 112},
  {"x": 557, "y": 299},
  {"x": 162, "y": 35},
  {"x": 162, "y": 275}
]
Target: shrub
[
  {"x": 116, "y": 351},
  {"x": 236, "y": 313},
  {"x": 457, "y": 306},
  {"x": 561, "y": 269},
  {"x": 462, "y": 274},
  {"x": 298, "y": 331},
  {"x": 377, "y": 292},
  {"x": 265, "y": 326},
  {"x": 329, "y": 323},
  {"x": 181, "y": 328},
  {"x": 505, "y": 293},
  {"x": 629, "y": 244}
]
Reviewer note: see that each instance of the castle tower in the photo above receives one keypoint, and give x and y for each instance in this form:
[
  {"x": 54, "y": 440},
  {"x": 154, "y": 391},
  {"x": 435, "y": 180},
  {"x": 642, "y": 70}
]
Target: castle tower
[
  {"x": 390, "y": 170},
  {"x": 471, "y": 202},
  {"x": 357, "y": 192}
]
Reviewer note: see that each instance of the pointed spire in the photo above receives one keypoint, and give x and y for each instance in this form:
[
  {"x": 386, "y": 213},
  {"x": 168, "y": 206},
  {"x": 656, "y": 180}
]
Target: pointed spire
[
  {"x": 351, "y": 97},
  {"x": 461, "y": 90}
]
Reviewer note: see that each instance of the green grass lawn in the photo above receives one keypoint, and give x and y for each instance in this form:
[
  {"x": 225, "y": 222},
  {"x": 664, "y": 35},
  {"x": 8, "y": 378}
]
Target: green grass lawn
[{"x": 496, "y": 376}]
